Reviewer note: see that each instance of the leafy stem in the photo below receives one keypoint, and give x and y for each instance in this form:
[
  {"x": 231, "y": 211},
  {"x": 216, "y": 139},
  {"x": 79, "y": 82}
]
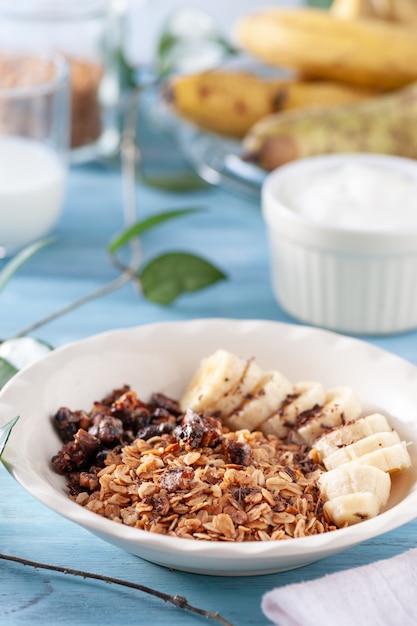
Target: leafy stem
[
  {"x": 178, "y": 601},
  {"x": 102, "y": 291}
]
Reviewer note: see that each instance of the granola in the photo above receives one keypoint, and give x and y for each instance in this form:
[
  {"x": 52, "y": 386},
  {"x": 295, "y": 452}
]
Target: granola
[{"x": 187, "y": 475}]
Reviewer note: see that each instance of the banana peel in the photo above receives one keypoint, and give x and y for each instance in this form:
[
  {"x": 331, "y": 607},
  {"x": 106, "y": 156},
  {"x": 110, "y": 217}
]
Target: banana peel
[
  {"x": 364, "y": 51},
  {"x": 386, "y": 124},
  {"x": 231, "y": 102}
]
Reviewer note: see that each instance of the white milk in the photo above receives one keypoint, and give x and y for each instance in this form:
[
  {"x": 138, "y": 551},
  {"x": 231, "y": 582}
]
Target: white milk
[
  {"x": 356, "y": 196},
  {"x": 32, "y": 181}
]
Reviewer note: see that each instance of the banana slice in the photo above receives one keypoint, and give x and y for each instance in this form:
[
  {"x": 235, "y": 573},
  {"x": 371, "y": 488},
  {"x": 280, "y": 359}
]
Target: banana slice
[
  {"x": 341, "y": 406},
  {"x": 391, "y": 459},
  {"x": 347, "y": 479},
  {"x": 232, "y": 399},
  {"x": 263, "y": 400},
  {"x": 364, "y": 446},
  {"x": 216, "y": 376},
  {"x": 305, "y": 396},
  {"x": 352, "y": 508},
  {"x": 349, "y": 433}
]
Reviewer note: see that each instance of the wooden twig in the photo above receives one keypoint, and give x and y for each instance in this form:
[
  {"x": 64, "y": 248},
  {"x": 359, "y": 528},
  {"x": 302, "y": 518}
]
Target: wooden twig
[{"x": 178, "y": 601}]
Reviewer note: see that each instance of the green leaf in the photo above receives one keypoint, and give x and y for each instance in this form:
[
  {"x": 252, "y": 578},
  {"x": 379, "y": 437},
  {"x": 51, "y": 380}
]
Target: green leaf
[
  {"x": 190, "y": 42},
  {"x": 178, "y": 182},
  {"x": 20, "y": 259},
  {"x": 5, "y": 433},
  {"x": 150, "y": 222},
  {"x": 7, "y": 371},
  {"x": 172, "y": 274}
]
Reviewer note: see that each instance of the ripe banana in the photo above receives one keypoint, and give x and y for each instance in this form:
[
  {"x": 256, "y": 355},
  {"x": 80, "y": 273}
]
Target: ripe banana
[
  {"x": 230, "y": 102},
  {"x": 340, "y": 406},
  {"x": 224, "y": 102},
  {"x": 304, "y": 396},
  {"x": 355, "y": 479},
  {"x": 349, "y": 433},
  {"x": 352, "y": 508},
  {"x": 262, "y": 402},
  {"x": 216, "y": 376},
  {"x": 357, "y": 450},
  {"x": 361, "y": 51},
  {"x": 386, "y": 124}
]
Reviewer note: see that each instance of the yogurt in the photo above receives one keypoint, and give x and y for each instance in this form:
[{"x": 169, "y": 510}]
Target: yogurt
[
  {"x": 32, "y": 182},
  {"x": 355, "y": 196}
]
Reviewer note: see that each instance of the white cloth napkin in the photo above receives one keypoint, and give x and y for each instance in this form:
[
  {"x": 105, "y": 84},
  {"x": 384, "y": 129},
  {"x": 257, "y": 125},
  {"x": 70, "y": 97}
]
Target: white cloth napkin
[{"x": 383, "y": 593}]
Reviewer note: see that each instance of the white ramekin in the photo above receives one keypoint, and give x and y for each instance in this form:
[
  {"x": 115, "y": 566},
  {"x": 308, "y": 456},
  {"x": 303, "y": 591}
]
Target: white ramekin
[{"x": 353, "y": 281}]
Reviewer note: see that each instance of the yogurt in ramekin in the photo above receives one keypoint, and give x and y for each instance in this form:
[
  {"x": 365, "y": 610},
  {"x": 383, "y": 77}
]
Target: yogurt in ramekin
[{"x": 343, "y": 241}]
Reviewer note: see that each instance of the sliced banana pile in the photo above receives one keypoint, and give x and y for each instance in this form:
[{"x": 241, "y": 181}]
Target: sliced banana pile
[
  {"x": 359, "y": 458},
  {"x": 353, "y": 493},
  {"x": 359, "y": 453},
  {"x": 245, "y": 397},
  {"x": 368, "y": 441}
]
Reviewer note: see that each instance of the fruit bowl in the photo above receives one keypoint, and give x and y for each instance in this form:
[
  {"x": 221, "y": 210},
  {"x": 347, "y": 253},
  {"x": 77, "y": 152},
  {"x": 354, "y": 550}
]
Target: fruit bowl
[{"x": 163, "y": 357}]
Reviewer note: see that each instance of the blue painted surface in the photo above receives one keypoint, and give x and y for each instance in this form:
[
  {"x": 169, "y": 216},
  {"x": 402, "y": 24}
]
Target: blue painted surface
[{"x": 230, "y": 233}]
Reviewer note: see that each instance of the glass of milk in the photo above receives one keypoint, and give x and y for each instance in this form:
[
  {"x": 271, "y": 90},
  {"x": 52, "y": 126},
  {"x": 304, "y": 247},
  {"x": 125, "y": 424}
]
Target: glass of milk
[{"x": 34, "y": 135}]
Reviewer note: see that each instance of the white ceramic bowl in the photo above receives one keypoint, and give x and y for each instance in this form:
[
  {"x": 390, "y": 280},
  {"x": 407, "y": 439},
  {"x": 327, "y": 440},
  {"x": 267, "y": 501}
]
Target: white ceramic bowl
[
  {"x": 162, "y": 357},
  {"x": 350, "y": 280}
]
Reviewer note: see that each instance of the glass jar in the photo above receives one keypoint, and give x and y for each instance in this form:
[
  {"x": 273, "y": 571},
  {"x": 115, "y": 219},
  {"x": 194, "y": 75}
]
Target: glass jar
[
  {"x": 80, "y": 30},
  {"x": 34, "y": 133}
]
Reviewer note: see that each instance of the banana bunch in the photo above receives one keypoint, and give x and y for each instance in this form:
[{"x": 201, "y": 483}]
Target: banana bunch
[
  {"x": 243, "y": 396},
  {"x": 230, "y": 102},
  {"x": 359, "y": 453},
  {"x": 358, "y": 42},
  {"x": 356, "y": 54}
]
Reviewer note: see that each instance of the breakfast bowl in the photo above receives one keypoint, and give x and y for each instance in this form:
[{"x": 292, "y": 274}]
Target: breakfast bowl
[
  {"x": 163, "y": 357},
  {"x": 342, "y": 231}
]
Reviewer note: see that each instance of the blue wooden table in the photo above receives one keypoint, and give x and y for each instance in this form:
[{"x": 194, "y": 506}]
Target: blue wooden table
[{"x": 231, "y": 233}]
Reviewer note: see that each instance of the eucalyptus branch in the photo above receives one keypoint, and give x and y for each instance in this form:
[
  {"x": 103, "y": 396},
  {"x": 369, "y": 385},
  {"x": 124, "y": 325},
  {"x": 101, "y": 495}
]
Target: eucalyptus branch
[
  {"x": 178, "y": 601},
  {"x": 164, "y": 278},
  {"x": 98, "y": 293}
]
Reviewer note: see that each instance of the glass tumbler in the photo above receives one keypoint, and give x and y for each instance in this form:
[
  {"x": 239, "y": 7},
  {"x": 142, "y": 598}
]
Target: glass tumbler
[
  {"x": 34, "y": 134},
  {"x": 85, "y": 33}
]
